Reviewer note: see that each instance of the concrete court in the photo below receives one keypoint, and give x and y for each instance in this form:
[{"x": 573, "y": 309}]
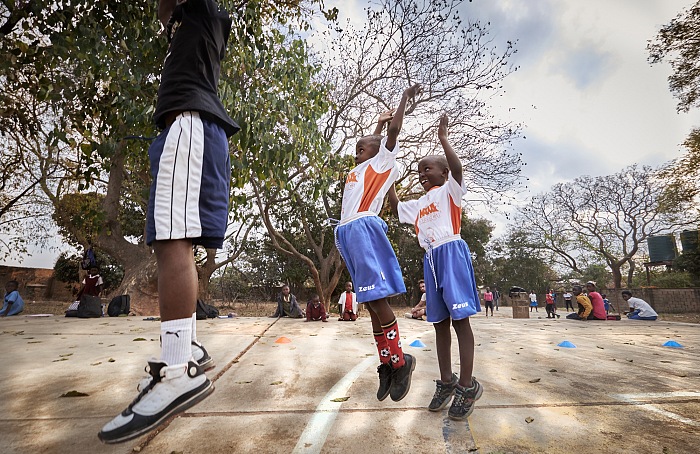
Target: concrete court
[{"x": 619, "y": 391}]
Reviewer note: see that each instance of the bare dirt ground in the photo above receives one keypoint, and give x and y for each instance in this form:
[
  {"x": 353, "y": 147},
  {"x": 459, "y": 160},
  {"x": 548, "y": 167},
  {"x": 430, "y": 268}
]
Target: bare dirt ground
[{"x": 266, "y": 308}]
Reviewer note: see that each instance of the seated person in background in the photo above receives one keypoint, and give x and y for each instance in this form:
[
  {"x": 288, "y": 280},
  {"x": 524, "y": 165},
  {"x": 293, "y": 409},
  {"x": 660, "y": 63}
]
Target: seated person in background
[
  {"x": 584, "y": 304},
  {"x": 287, "y": 305},
  {"x": 13, "y": 303},
  {"x": 347, "y": 304},
  {"x": 598, "y": 312},
  {"x": 92, "y": 284},
  {"x": 315, "y": 310},
  {"x": 418, "y": 310},
  {"x": 640, "y": 309}
]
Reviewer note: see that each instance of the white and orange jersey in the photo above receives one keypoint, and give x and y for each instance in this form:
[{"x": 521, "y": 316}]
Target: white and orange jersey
[
  {"x": 437, "y": 215},
  {"x": 367, "y": 184}
]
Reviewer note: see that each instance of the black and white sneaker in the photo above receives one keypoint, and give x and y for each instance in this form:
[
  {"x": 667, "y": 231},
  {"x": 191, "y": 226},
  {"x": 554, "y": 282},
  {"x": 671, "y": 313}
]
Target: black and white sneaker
[
  {"x": 172, "y": 390},
  {"x": 200, "y": 354}
]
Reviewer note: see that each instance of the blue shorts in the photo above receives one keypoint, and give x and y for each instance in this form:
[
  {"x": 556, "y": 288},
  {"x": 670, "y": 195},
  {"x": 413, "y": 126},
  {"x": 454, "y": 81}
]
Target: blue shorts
[
  {"x": 454, "y": 295},
  {"x": 191, "y": 172},
  {"x": 370, "y": 259}
]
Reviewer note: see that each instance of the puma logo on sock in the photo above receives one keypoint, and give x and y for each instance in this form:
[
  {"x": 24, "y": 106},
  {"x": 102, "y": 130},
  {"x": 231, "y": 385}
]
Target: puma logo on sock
[{"x": 175, "y": 333}]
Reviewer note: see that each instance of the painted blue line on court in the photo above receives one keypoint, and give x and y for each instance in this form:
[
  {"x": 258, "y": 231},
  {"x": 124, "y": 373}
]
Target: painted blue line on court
[{"x": 314, "y": 436}]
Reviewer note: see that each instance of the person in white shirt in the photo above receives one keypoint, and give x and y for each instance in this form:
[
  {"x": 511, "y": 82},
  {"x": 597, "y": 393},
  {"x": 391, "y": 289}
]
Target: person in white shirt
[
  {"x": 533, "y": 301},
  {"x": 567, "y": 301},
  {"x": 640, "y": 309}
]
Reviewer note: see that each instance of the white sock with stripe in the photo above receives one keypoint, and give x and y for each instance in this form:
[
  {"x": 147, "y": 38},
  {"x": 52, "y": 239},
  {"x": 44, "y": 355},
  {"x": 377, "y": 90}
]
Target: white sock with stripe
[{"x": 176, "y": 337}]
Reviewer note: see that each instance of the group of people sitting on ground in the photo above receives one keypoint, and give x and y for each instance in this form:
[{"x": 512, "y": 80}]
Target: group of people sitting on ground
[
  {"x": 287, "y": 306},
  {"x": 594, "y": 306}
]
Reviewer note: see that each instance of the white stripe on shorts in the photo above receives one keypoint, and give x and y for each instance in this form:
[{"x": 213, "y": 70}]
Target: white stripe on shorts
[{"x": 176, "y": 204}]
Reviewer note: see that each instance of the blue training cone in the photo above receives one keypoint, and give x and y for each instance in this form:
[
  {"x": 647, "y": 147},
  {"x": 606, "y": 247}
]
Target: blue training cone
[
  {"x": 672, "y": 344},
  {"x": 417, "y": 343},
  {"x": 566, "y": 344}
]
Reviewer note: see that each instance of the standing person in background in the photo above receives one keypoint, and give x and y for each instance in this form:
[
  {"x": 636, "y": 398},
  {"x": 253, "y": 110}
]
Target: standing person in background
[
  {"x": 567, "y": 301},
  {"x": 488, "y": 301},
  {"x": 533, "y": 301},
  {"x": 347, "y": 304},
  {"x": 188, "y": 205},
  {"x": 92, "y": 284},
  {"x": 598, "y": 312},
  {"x": 496, "y": 297},
  {"x": 550, "y": 307},
  {"x": 606, "y": 302}
]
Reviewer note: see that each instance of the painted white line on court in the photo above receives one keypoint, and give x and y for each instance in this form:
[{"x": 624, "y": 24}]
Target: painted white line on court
[
  {"x": 633, "y": 398},
  {"x": 314, "y": 436}
]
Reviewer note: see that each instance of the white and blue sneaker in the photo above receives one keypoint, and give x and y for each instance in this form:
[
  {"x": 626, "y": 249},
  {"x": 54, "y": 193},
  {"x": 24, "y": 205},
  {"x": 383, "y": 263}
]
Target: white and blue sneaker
[{"x": 171, "y": 390}]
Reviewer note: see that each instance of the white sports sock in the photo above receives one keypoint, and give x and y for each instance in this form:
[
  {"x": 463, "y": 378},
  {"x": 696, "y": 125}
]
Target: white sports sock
[
  {"x": 176, "y": 337},
  {"x": 194, "y": 327}
]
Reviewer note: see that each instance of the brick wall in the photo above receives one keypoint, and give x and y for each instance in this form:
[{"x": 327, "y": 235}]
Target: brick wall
[{"x": 35, "y": 284}]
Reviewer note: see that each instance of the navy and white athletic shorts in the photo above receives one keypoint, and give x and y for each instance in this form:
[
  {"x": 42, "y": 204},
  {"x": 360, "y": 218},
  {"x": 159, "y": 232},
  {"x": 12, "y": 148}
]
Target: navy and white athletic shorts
[
  {"x": 454, "y": 294},
  {"x": 370, "y": 259},
  {"x": 191, "y": 172}
]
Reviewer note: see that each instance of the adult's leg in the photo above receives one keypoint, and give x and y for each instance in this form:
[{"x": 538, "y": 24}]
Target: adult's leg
[
  {"x": 465, "y": 339},
  {"x": 443, "y": 344}
]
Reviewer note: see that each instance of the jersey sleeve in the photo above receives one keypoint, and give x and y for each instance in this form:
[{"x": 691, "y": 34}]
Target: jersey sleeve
[
  {"x": 408, "y": 211},
  {"x": 385, "y": 159},
  {"x": 455, "y": 189}
]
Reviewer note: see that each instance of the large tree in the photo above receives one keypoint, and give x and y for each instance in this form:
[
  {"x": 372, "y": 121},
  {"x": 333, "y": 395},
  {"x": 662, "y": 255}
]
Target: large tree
[
  {"x": 367, "y": 68},
  {"x": 593, "y": 219},
  {"x": 97, "y": 66}
]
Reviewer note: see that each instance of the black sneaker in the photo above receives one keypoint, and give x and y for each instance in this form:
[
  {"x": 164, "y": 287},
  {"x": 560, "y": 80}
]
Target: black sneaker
[
  {"x": 401, "y": 378},
  {"x": 443, "y": 394},
  {"x": 172, "y": 390},
  {"x": 463, "y": 403},
  {"x": 384, "y": 371}
]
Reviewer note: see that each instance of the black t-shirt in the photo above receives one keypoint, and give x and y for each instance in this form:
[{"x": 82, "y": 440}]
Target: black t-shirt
[{"x": 198, "y": 31}]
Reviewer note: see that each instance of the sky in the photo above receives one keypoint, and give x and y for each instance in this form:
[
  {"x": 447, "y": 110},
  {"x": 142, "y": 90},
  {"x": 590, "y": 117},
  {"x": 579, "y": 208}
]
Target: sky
[{"x": 589, "y": 100}]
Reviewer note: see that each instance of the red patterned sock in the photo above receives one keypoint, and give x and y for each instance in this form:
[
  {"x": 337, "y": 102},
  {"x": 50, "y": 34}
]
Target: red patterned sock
[
  {"x": 391, "y": 332},
  {"x": 382, "y": 347}
]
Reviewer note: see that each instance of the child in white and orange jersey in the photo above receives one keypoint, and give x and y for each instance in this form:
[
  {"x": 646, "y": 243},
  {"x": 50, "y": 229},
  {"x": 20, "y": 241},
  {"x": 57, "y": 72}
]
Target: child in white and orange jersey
[
  {"x": 451, "y": 290},
  {"x": 370, "y": 259}
]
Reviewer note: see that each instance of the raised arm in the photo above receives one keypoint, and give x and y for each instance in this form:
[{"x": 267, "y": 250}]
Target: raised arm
[
  {"x": 397, "y": 121},
  {"x": 393, "y": 200},
  {"x": 165, "y": 10},
  {"x": 452, "y": 159},
  {"x": 384, "y": 118}
]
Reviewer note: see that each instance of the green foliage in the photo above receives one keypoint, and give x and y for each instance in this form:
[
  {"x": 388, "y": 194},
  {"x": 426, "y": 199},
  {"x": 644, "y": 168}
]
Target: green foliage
[
  {"x": 690, "y": 262},
  {"x": 512, "y": 264},
  {"x": 679, "y": 40},
  {"x": 66, "y": 268},
  {"x": 664, "y": 279}
]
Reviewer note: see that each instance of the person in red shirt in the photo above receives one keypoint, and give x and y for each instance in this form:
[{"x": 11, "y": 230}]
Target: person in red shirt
[
  {"x": 598, "y": 312},
  {"x": 315, "y": 310},
  {"x": 347, "y": 304},
  {"x": 488, "y": 301}
]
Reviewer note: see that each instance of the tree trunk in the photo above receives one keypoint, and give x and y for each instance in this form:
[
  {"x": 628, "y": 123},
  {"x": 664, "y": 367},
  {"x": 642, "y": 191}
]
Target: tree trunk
[
  {"x": 141, "y": 283},
  {"x": 617, "y": 275}
]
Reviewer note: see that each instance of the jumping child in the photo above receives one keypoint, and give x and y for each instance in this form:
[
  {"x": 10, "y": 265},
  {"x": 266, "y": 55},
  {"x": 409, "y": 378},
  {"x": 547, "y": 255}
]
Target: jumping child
[
  {"x": 452, "y": 295},
  {"x": 362, "y": 241},
  {"x": 188, "y": 205}
]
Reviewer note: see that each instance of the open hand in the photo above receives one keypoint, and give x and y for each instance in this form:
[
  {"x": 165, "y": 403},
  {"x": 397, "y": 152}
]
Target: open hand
[
  {"x": 442, "y": 128},
  {"x": 385, "y": 117}
]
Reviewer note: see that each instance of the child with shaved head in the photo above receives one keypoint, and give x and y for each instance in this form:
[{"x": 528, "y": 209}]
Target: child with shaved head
[{"x": 449, "y": 276}]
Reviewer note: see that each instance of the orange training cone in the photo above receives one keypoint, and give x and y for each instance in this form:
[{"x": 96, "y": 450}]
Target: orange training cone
[{"x": 282, "y": 340}]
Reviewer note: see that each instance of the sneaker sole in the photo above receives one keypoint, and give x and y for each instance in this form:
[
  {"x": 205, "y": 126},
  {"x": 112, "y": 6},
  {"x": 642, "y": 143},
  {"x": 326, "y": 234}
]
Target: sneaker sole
[
  {"x": 462, "y": 418},
  {"x": 408, "y": 385},
  {"x": 194, "y": 399}
]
